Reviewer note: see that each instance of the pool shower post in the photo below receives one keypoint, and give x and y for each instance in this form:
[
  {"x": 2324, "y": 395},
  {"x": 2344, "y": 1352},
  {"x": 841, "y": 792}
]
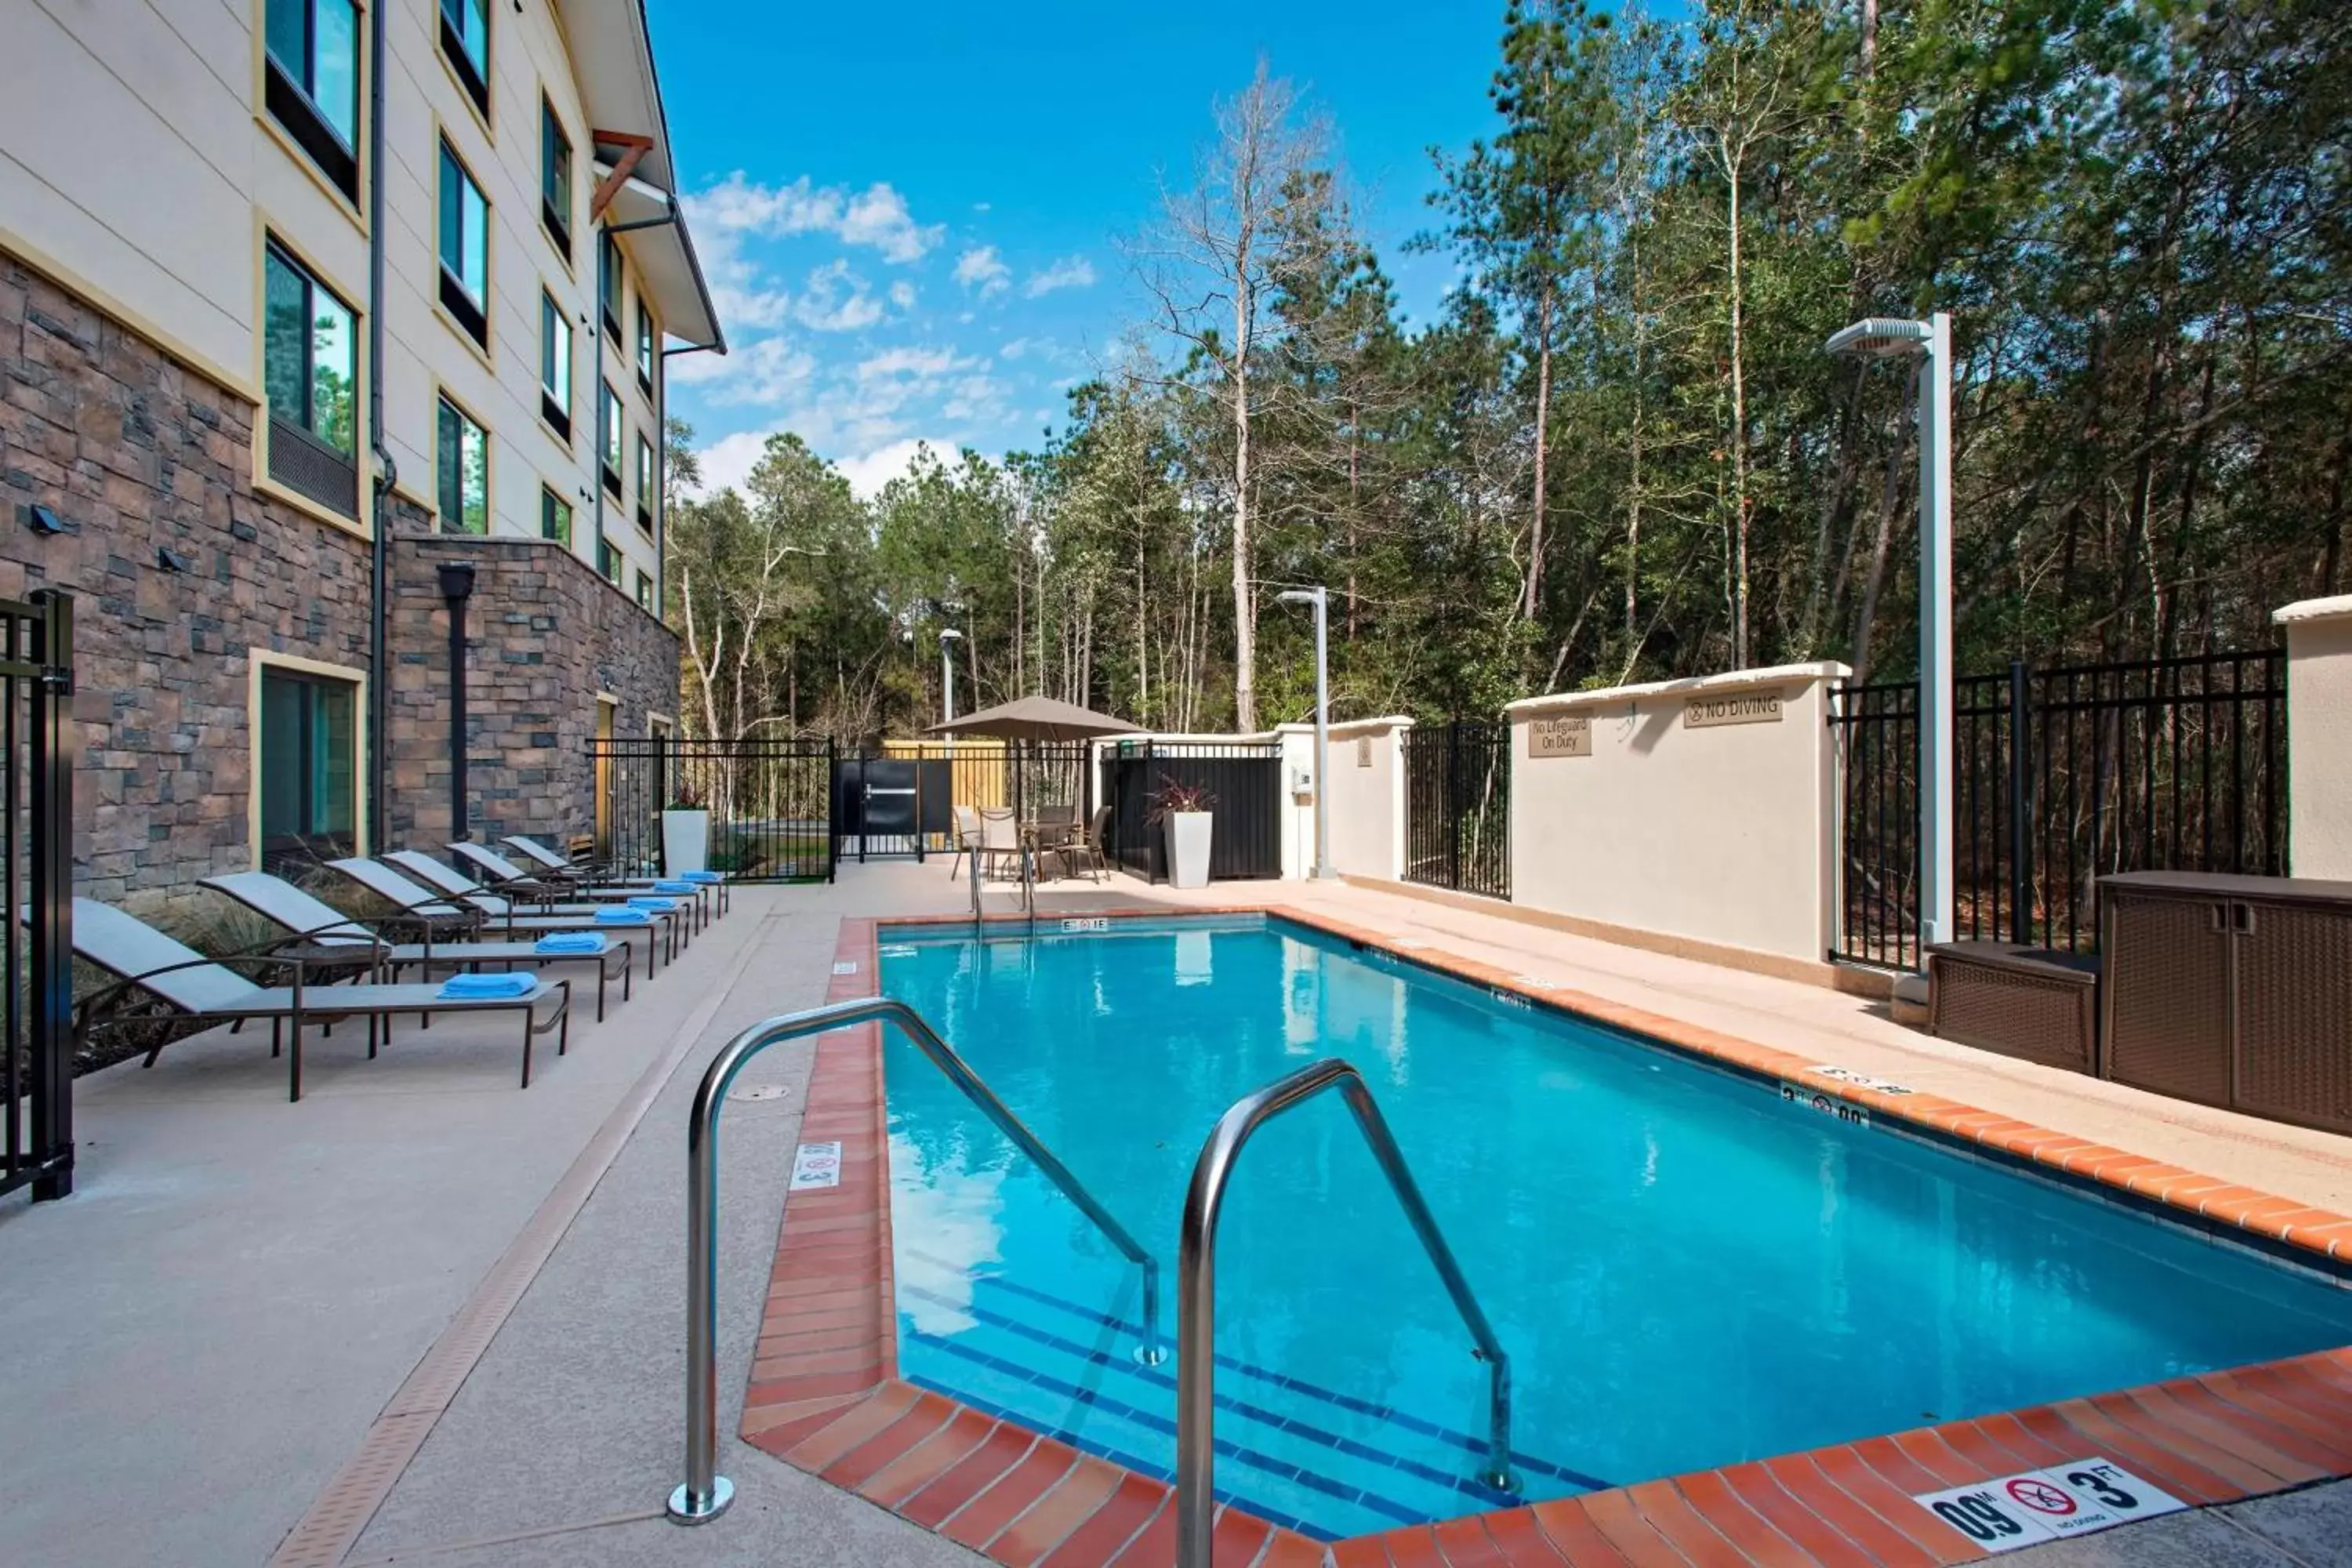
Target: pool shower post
[{"x": 1321, "y": 599}]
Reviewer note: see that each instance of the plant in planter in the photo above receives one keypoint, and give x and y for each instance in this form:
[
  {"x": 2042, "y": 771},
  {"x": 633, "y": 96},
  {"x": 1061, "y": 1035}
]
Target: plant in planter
[
  {"x": 1184, "y": 812},
  {"x": 686, "y": 833}
]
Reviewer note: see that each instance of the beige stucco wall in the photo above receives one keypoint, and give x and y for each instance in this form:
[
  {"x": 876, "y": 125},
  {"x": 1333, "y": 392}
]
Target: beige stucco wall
[
  {"x": 1368, "y": 797},
  {"x": 2319, "y": 736},
  {"x": 1723, "y": 834}
]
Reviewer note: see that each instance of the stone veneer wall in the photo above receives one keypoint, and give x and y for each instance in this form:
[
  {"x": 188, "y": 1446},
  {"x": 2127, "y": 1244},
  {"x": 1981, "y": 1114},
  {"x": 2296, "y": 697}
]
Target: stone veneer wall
[
  {"x": 135, "y": 452},
  {"x": 544, "y": 635}
]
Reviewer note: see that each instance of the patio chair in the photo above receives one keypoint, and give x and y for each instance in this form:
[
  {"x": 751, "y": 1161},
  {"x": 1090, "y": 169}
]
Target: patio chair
[
  {"x": 1083, "y": 850},
  {"x": 967, "y": 836},
  {"x": 416, "y": 902},
  {"x": 506, "y": 877},
  {"x": 327, "y": 928},
  {"x": 461, "y": 889},
  {"x": 1000, "y": 839},
  {"x": 144, "y": 958},
  {"x": 547, "y": 862}
]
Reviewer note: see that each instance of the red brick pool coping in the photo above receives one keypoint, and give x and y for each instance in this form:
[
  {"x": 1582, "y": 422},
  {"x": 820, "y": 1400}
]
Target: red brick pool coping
[{"x": 825, "y": 1396}]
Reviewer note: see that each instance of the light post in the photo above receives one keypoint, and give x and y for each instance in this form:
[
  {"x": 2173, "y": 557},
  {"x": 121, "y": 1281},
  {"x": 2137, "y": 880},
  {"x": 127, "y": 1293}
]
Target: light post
[
  {"x": 946, "y": 672},
  {"x": 1321, "y": 599},
  {"x": 1931, "y": 342}
]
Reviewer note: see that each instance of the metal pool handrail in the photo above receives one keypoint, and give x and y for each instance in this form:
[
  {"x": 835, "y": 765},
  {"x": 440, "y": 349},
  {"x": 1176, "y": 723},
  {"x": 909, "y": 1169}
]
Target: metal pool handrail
[
  {"x": 1196, "y": 1288},
  {"x": 705, "y": 1494}
]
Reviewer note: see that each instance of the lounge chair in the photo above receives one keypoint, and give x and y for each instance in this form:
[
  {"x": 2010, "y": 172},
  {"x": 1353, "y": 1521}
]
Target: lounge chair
[
  {"x": 458, "y": 888},
  {"x": 508, "y": 877},
  {"x": 144, "y": 958},
  {"x": 322, "y": 926},
  {"x": 547, "y": 862},
  {"x": 419, "y": 903}
]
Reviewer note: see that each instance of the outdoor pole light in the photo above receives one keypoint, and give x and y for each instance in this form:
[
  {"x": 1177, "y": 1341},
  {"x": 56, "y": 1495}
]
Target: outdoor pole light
[
  {"x": 947, "y": 670},
  {"x": 1931, "y": 341},
  {"x": 1321, "y": 599}
]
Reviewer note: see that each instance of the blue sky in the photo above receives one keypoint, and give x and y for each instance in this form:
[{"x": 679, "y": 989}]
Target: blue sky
[{"x": 912, "y": 223}]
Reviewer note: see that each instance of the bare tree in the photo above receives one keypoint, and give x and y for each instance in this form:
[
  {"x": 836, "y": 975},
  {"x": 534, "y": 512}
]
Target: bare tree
[{"x": 1209, "y": 265}]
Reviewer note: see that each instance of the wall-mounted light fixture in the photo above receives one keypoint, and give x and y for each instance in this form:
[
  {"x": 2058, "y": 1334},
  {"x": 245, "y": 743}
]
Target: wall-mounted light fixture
[
  {"x": 174, "y": 560},
  {"x": 41, "y": 519}
]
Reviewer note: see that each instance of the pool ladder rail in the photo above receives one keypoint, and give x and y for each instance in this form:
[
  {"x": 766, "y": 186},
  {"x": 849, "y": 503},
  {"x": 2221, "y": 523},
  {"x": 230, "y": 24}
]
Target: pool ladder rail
[
  {"x": 1196, "y": 1288},
  {"x": 705, "y": 1494},
  {"x": 1028, "y": 895}
]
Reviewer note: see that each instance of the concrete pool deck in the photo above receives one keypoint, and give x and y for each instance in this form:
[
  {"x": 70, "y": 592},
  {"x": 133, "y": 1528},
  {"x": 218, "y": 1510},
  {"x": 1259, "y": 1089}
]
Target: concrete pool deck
[{"x": 425, "y": 1316}]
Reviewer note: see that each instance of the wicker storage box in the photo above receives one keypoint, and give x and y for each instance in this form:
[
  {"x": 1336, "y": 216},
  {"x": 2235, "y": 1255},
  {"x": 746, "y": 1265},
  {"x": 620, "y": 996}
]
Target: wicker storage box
[{"x": 2023, "y": 1002}]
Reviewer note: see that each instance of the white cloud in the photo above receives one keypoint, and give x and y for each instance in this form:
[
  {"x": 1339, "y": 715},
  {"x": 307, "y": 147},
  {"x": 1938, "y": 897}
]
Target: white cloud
[
  {"x": 902, "y": 294},
  {"x": 766, "y": 372},
  {"x": 836, "y": 300},
  {"x": 727, "y": 463},
  {"x": 923, "y": 365},
  {"x": 868, "y": 472},
  {"x": 982, "y": 270},
  {"x": 1070, "y": 272},
  {"x": 877, "y": 216},
  {"x": 1017, "y": 348}
]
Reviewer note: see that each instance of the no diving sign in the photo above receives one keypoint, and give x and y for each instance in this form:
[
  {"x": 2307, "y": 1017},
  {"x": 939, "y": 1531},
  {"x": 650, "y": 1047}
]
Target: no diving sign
[
  {"x": 816, "y": 1165},
  {"x": 2048, "y": 1505}
]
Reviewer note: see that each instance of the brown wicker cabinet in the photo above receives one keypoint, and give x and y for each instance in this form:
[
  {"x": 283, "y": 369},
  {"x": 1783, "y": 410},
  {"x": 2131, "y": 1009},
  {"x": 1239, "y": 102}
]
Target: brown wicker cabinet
[{"x": 2232, "y": 991}]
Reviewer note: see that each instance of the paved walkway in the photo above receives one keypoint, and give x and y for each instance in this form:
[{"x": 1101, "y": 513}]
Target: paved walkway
[{"x": 425, "y": 1316}]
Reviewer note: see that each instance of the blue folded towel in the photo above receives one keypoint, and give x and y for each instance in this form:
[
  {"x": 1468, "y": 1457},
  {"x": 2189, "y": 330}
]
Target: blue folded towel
[
  {"x": 622, "y": 915},
  {"x": 647, "y": 901},
  {"x": 667, "y": 887},
  {"x": 705, "y": 877},
  {"x": 584, "y": 942},
  {"x": 486, "y": 987}
]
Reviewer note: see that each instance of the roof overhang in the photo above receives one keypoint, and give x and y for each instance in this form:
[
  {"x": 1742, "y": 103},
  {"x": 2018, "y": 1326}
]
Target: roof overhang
[{"x": 613, "y": 69}]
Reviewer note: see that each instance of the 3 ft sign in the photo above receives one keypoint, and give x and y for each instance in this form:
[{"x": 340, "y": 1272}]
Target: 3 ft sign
[{"x": 2048, "y": 1505}]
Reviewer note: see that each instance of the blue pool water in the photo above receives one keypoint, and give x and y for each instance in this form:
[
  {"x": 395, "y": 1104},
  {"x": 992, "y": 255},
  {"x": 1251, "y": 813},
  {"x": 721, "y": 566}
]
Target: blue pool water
[{"x": 1686, "y": 1271}]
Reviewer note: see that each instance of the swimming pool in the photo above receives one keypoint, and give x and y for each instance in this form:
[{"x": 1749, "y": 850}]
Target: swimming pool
[{"x": 1686, "y": 1271}]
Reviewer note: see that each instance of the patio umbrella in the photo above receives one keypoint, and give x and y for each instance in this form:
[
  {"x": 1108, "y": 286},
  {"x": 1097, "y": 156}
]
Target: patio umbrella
[{"x": 1036, "y": 719}]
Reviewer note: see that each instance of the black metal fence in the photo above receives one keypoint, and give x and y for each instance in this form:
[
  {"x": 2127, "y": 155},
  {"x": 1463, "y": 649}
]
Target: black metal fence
[
  {"x": 770, "y": 803},
  {"x": 1244, "y": 780},
  {"x": 36, "y": 766},
  {"x": 1458, "y": 805},
  {"x": 2061, "y": 776},
  {"x": 901, "y": 797}
]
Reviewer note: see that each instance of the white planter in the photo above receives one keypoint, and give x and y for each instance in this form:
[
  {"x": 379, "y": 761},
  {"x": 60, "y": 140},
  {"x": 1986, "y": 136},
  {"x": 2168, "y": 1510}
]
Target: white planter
[
  {"x": 1188, "y": 848},
  {"x": 685, "y": 842}
]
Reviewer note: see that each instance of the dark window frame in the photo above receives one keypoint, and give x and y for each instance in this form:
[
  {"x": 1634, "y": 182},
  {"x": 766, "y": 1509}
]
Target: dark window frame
[
  {"x": 612, "y": 270},
  {"x": 557, "y": 411},
  {"x": 553, "y": 139},
  {"x": 297, "y": 456},
  {"x": 547, "y": 504},
  {"x": 475, "y": 80},
  {"x": 452, "y": 518},
  {"x": 648, "y": 355},
  {"x": 307, "y": 830},
  {"x": 646, "y": 592},
  {"x": 611, "y": 432},
  {"x": 471, "y": 315},
  {"x": 648, "y": 476},
  {"x": 293, "y": 103}
]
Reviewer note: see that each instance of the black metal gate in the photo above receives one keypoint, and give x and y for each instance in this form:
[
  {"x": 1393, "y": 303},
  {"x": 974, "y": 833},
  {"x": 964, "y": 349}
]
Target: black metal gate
[
  {"x": 1458, "y": 805},
  {"x": 36, "y": 767},
  {"x": 2060, "y": 776},
  {"x": 901, "y": 798},
  {"x": 770, "y": 803},
  {"x": 1244, "y": 780}
]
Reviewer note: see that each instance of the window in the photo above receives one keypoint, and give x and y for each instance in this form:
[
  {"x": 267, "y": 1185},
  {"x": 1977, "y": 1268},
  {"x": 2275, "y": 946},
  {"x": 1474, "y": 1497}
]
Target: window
[
  {"x": 554, "y": 518},
  {"x": 462, "y": 459},
  {"x": 312, "y": 82},
  {"x": 555, "y": 178},
  {"x": 608, "y": 284},
  {"x": 608, "y": 561},
  {"x": 464, "y": 248},
  {"x": 645, "y": 483},
  {"x": 554, "y": 365},
  {"x": 307, "y": 777},
  {"x": 609, "y": 414},
  {"x": 309, "y": 357},
  {"x": 646, "y": 592},
  {"x": 465, "y": 44},
  {"x": 644, "y": 346}
]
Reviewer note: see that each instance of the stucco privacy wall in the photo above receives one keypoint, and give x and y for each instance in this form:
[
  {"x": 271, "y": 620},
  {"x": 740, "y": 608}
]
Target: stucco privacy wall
[
  {"x": 544, "y": 635},
  {"x": 1702, "y": 809},
  {"x": 1367, "y": 791},
  {"x": 2319, "y": 736}
]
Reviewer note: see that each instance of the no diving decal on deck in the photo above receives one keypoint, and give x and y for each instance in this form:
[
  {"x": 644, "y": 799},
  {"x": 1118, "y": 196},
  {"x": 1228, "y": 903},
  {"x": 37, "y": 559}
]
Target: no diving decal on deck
[
  {"x": 1826, "y": 1104},
  {"x": 816, "y": 1165},
  {"x": 2038, "y": 1506}
]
